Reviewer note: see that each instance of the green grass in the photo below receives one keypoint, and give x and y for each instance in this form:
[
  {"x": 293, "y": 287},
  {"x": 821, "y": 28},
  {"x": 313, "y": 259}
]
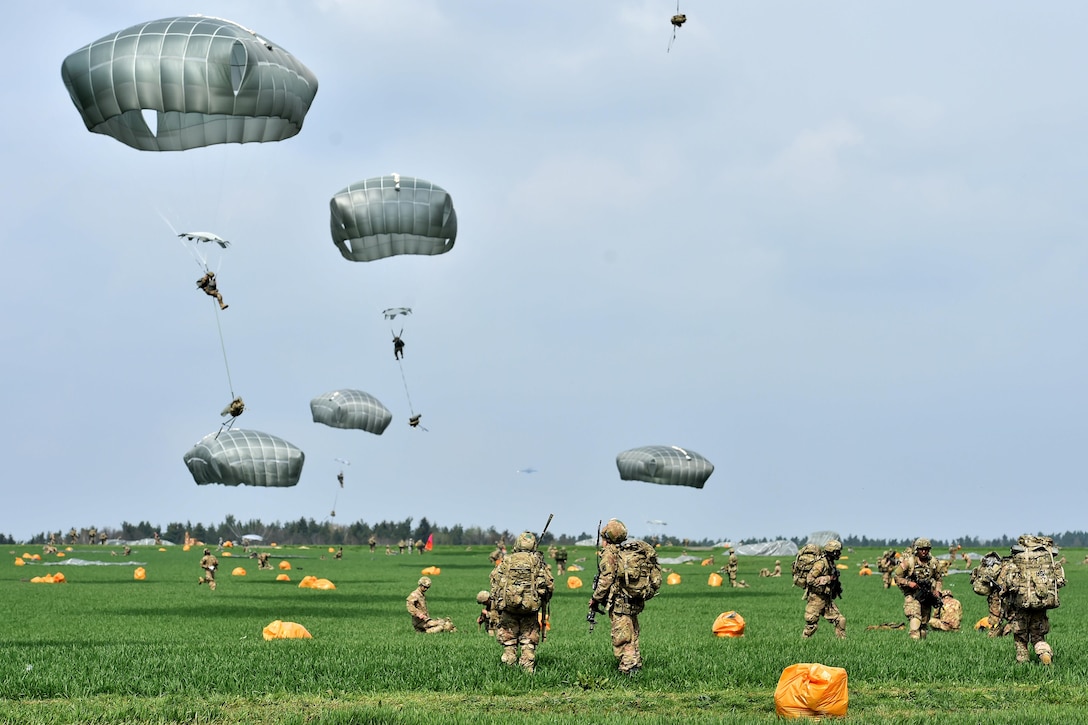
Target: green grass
[{"x": 103, "y": 648}]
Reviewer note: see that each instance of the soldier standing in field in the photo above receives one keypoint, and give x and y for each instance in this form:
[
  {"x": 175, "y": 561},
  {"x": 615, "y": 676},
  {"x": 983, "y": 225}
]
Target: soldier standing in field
[
  {"x": 401, "y": 546},
  {"x": 561, "y": 560},
  {"x": 209, "y": 564},
  {"x": 919, "y": 578},
  {"x": 629, "y": 577},
  {"x": 886, "y": 565},
  {"x": 489, "y": 618},
  {"x": 822, "y": 588},
  {"x": 1029, "y": 581},
  {"x": 420, "y": 545},
  {"x": 731, "y": 569},
  {"x": 372, "y": 542},
  {"x": 521, "y": 587},
  {"x": 417, "y": 607}
]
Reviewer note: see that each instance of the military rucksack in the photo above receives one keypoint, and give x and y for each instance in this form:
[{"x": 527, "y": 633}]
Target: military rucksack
[
  {"x": 1032, "y": 580},
  {"x": 802, "y": 564},
  {"x": 516, "y": 584},
  {"x": 984, "y": 576},
  {"x": 639, "y": 574}
]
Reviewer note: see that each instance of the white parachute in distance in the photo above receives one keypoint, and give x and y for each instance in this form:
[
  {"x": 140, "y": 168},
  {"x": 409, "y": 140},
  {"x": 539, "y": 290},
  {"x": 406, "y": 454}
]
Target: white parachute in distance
[
  {"x": 186, "y": 82},
  {"x": 352, "y": 409},
  {"x": 386, "y": 216},
  {"x": 205, "y": 237},
  {"x": 666, "y": 465},
  {"x": 244, "y": 457},
  {"x": 392, "y": 312}
]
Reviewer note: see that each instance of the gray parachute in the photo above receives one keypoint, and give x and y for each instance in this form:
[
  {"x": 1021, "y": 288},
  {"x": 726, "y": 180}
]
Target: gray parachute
[
  {"x": 244, "y": 457},
  {"x": 391, "y": 215},
  {"x": 667, "y": 465},
  {"x": 351, "y": 409},
  {"x": 206, "y": 80}
]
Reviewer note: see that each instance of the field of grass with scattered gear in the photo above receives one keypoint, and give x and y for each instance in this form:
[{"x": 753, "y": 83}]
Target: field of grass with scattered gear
[{"x": 105, "y": 648}]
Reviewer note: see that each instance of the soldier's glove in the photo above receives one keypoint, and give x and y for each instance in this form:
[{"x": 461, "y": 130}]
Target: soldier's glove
[
  {"x": 822, "y": 581},
  {"x": 594, "y": 606}
]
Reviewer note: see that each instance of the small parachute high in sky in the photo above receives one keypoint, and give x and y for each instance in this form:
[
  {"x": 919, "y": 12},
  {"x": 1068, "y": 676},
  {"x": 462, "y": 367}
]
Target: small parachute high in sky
[
  {"x": 352, "y": 409},
  {"x": 201, "y": 80},
  {"x": 244, "y": 457},
  {"x": 205, "y": 237},
  {"x": 390, "y": 313},
  {"x": 667, "y": 465},
  {"x": 392, "y": 215}
]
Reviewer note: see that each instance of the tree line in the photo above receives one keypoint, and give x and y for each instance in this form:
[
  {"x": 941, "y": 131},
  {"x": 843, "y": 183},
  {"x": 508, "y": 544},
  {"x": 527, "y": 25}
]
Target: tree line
[{"x": 390, "y": 533}]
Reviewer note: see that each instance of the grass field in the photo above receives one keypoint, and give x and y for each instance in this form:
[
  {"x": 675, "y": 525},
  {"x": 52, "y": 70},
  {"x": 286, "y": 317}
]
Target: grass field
[{"x": 104, "y": 648}]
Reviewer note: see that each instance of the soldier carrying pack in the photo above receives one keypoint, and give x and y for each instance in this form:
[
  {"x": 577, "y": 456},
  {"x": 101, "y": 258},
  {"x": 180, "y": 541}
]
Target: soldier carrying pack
[
  {"x": 639, "y": 573},
  {"x": 1032, "y": 576},
  {"x": 802, "y": 564}
]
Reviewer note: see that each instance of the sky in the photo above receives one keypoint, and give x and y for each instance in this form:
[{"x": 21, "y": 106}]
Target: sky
[{"x": 836, "y": 248}]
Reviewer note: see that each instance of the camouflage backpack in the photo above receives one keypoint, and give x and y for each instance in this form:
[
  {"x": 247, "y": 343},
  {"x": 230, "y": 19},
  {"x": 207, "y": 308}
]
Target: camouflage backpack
[
  {"x": 984, "y": 576},
  {"x": 639, "y": 574},
  {"x": 802, "y": 564},
  {"x": 516, "y": 583},
  {"x": 1032, "y": 580}
]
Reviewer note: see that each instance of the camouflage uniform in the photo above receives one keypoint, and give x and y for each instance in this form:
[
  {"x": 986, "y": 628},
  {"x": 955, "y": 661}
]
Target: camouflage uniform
[
  {"x": 777, "y": 569},
  {"x": 519, "y": 628},
  {"x": 489, "y": 618},
  {"x": 401, "y": 546},
  {"x": 623, "y": 610},
  {"x": 1029, "y": 626},
  {"x": 821, "y": 588},
  {"x": 917, "y": 575},
  {"x": 495, "y": 557},
  {"x": 420, "y": 544},
  {"x": 731, "y": 568},
  {"x": 339, "y": 553},
  {"x": 372, "y": 542},
  {"x": 208, "y": 284},
  {"x": 208, "y": 563},
  {"x": 950, "y": 615},
  {"x": 888, "y": 561},
  {"x": 262, "y": 560},
  {"x": 561, "y": 560},
  {"x": 417, "y": 607}
]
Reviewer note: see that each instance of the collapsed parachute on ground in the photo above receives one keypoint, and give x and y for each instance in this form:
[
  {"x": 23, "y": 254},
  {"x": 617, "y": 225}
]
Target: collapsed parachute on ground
[
  {"x": 781, "y": 547},
  {"x": 391, "y": 215},
  {"x": 208, "y": 81},
  {"x": 244, "y": 457},
  {"x": 668, "y": 465},
  {"x": 351, "y": 409}
]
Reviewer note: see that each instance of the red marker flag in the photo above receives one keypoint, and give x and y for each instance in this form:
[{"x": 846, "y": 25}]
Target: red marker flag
[{"x": 430, "y": 542}]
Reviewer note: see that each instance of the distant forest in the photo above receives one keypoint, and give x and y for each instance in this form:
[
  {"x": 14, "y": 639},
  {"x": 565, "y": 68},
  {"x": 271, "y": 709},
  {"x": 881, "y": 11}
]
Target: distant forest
[{"x": 311, "y": 532}]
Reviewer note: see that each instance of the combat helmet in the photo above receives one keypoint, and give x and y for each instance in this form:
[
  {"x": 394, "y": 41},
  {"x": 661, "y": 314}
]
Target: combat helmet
[
  {"x": 833, "y": 547},
  {"x": 526, "y": 541},
  {"x": 483, "y": 597},
  {"x": 425, "y": 582},
  {"x": 614, "y": 532},
  {"x": 922, "y": 543}
]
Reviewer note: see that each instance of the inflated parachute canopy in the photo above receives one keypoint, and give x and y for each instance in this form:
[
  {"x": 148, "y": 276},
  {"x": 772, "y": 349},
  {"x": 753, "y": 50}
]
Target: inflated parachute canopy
[
  {"x": 244, "y": 457},
  {"x": 206, "y": 80},
  {"x": 668, "y": 465},
  {"x": 351, "y": 409},
  {"x": 391, "y": 215}
]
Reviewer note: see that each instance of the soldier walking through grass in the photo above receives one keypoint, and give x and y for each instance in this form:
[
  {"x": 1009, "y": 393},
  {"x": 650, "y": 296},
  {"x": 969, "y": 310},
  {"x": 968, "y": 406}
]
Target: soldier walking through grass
[
  {"x": 208, "y": 563},
  {"x": 822, "y": 587},
  {"x": 919, "y": 578},
  {"x": 629, "y": 576},
  {"x": 521, "y": 587}
]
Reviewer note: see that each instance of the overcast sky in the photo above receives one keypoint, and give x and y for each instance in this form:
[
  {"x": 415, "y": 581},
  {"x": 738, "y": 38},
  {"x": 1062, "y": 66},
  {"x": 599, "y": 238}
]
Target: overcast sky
[{"x": 837, "y": 248}]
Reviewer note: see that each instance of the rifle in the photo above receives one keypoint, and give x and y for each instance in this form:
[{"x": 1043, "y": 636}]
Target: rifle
[
  {"x": 591, "y": 617},
  {"x": 835, "y": 587},
  {"x": 547, "y": 601},
  {"x": 925, "y": 594}
]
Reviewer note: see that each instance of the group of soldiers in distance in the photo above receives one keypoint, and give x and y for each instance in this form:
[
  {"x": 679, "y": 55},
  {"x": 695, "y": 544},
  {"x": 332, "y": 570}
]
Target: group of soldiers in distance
[
  {"x": 515, "y": 606},
  {"x": 1020, "y": 588}
]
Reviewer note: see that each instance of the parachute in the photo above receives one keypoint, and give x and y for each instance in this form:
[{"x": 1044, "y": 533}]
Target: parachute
[
  {"x": 245, "y": 457},
  {"x": 392, "y": 312},
  {"x": 391, "y": 215},
  {"x": 208, "y": 81},
  {"x": 351, "y": 409},
  {"x": 205, "y": 237},
  {"x": 667, "y": 465}
]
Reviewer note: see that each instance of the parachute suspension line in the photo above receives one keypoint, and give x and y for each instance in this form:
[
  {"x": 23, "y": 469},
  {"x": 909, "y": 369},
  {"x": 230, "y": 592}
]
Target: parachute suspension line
[
  {"x": 404, "y": 380},
  {"x": 223, "y": 347}
]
